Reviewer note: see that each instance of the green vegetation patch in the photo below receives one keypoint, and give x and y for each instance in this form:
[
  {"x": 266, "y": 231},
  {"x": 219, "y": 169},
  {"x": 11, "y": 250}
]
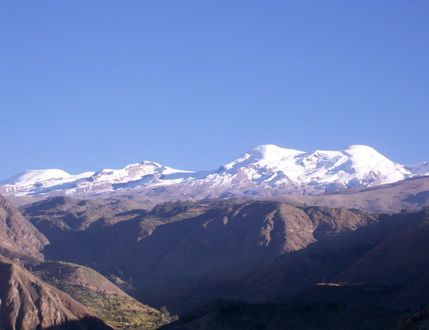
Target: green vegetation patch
[{"x": 121, "y": 312}]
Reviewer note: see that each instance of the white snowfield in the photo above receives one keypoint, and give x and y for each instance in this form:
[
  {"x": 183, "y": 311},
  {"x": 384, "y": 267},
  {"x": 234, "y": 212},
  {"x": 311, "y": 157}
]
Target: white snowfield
[{"x": 264, "y": 170}]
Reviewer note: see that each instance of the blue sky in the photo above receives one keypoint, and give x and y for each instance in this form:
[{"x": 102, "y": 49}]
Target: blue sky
[{"x": 193, "y": 84}]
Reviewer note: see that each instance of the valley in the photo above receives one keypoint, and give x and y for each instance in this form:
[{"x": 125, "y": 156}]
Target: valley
[{"x": 133, "y": 259}]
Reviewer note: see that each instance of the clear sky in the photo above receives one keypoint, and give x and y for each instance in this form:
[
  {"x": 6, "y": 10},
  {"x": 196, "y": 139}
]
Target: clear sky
[{"x": 86, "y": 85}]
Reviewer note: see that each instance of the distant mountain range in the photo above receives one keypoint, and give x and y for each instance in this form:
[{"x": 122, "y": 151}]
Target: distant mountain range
[
  {"x": 267, "y": 170},
  {"x": 324, "y": 261}
]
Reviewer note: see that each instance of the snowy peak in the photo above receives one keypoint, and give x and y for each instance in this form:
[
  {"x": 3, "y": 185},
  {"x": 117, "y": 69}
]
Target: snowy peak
[
  {"x": 134, "y": 172},
  {"x": 261, "y": 171},
  {"x": 269, "y": 169},
  {"x": 362, "y": 148},
  {"x": 129, "y": 172},
  {"x": 265, "y": 155},
  {"x": 34, "y": 181},
  {"x": 368, "y": 161},
  {"x": 367, "y": 155},
  {"x": 272, "y": 152},
  {"x": 32, "y": 176},
  {"x": 421, "y": 169}
]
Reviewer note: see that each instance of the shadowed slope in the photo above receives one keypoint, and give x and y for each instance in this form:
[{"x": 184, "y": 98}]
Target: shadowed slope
[
  {"x": 28, "y": 303},
  {"x": 183, "y": 255},
  {"x": 99, "y": 295},
  {"x": 228, "y": 315}
]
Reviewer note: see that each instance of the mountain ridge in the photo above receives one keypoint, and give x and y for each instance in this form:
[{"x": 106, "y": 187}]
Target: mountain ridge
[
  {"x": 266, "y": 170},
  {"x": 30, "y": 303}
]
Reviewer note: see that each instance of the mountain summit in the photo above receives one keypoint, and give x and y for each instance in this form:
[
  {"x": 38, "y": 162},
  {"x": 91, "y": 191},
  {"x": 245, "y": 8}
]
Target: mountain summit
[
  {"x": 357, "y": 164},
  {"x": 266, "y": 170}
]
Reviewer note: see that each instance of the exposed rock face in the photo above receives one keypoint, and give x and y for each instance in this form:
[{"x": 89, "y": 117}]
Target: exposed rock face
[
  {"x": 18, "y": 237},
  {"x": 219, "y": 253},
  {"x": 183, "y": 255},
  {"x": 183, "y": 248},
  {"x": 29, "y": 303}
]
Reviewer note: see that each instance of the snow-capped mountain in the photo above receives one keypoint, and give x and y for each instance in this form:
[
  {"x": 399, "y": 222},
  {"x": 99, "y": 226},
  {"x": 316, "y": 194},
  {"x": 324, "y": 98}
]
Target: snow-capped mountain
[
  {"x": 32, "y": 181},
  {"x": 35, "y": 182},
  {"x": 264, "y": 170},
  {"x": 276, "y": 170},
  {"x": 419, "y": 169}
]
